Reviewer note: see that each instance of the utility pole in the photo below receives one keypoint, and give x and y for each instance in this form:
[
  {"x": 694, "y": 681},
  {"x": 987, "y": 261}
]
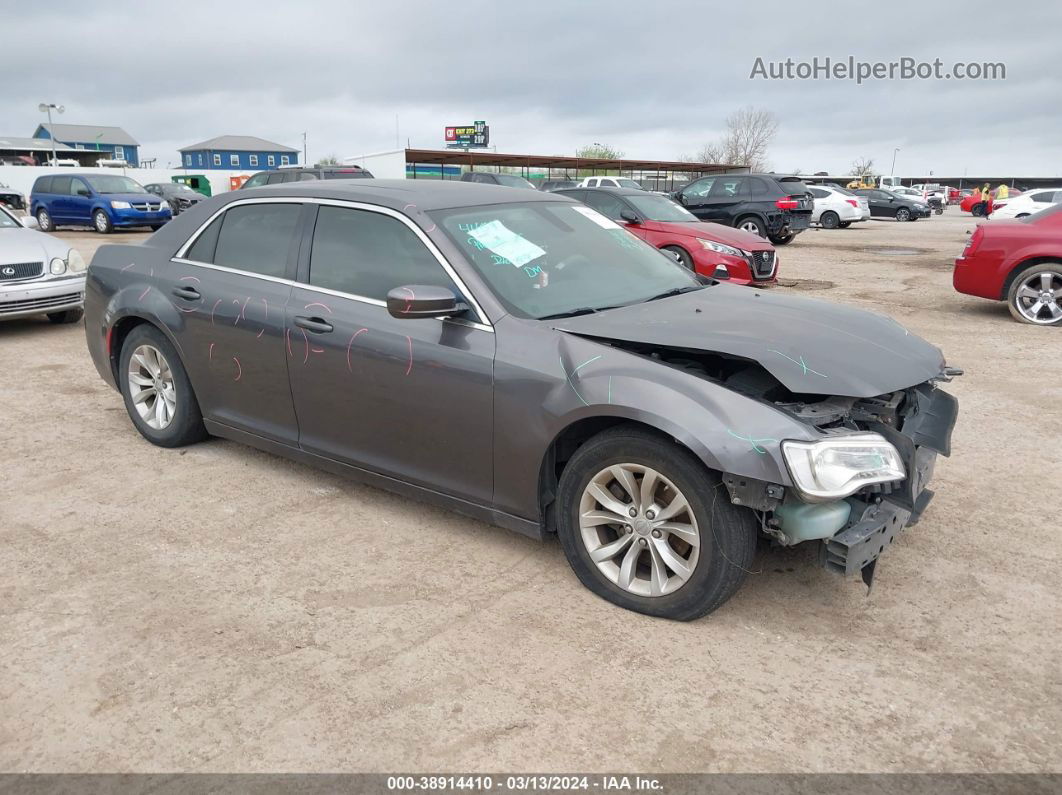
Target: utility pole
[{"x": 305, "y": 157}]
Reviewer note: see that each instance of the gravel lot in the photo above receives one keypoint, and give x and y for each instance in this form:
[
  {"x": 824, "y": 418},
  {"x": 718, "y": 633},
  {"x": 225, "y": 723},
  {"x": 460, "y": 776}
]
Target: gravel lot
[{"x": 221, "y": 609}]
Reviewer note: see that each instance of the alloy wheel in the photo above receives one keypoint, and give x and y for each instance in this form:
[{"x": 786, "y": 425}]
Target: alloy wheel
[
  {"x": 1039, "y": 298},
  {"x": 902, "y": 214},
  {"x": 751, "y": 226},
  {"x": 151, "y": 387},
  {"x": 639, "y": 530}
]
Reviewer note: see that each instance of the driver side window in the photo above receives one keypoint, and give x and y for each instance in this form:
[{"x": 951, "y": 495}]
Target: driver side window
[
  {"x": 699, "y": 189},
  {"x": 606, "y": 204}
]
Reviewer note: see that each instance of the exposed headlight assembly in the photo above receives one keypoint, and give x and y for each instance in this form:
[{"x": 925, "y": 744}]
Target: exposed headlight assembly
[
  {"x": 834, "y": 468},
  {"x": 719, "y": 248}
]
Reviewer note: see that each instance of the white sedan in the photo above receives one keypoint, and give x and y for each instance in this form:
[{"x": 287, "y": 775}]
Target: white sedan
[
  {"x": 1026, "y": 204},
  {"x": 39, "y": 274},
  {"x": 835, "y": 207}
]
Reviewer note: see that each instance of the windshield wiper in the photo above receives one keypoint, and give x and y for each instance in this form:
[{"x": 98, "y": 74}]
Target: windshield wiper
[
  {"x": 674, "y": 291},
  {"x": 583, "y": 310}
]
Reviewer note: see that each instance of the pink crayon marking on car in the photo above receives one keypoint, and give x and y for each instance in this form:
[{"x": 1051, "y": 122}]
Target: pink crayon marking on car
[
  {"x": 409, "y": 301},
  {"x": 287, "y": 339},
  {"x": 325, "y": 307},
  {"x": 306, "y": 339},
  {"x": 353, "y": 337},
  {"x": 210, "y": 352},
  {"x": 213, "y": 310},
  {"x": 410, "y": 367},
  {"x": 189, "y": 279},
  {"x": 239, "y": 369}
]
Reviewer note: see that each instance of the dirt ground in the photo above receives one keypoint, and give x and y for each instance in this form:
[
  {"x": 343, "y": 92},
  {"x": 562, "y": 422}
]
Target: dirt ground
[{"x": 221, "y": 609}]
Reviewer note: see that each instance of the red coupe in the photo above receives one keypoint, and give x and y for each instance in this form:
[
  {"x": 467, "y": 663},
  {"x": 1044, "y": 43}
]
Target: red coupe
[
  {"x": 721, "y": 252},
  {"x": 1019, "y": 262}
]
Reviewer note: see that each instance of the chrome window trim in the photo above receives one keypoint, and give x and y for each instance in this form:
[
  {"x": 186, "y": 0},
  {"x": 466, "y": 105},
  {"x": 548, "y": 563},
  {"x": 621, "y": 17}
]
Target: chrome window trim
[{"x": 482, "y": 323}]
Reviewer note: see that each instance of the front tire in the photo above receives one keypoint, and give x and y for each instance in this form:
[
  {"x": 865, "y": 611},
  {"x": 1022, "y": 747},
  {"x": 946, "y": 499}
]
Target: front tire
[
  {"x": 68, "y": 316},
  {"x": 829, "y": 220},
  {"x": 1035, "y": 295},
  {"x": 102, "y": 222},
  {"x": 44, "y": 221},
  {"x": 156, "y": 389},
  {"x": 684, "y": 552},
  {"x": 681, "y": 256},
  {"x": 903, "y": 214}
]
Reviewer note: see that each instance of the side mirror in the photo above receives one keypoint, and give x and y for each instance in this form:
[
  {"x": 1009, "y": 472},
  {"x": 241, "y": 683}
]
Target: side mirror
[
  {"x": 83, "y": 192},
  {"x": 629, "y": 216},
  {"x": 420, "y": 300},
  {"x": 29, "y": 222}
]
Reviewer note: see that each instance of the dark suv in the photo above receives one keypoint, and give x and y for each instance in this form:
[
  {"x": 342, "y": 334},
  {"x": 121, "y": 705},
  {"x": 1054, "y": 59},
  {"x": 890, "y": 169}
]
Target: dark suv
[
  {"x": 302, "y": 173},
  {"x": 778, "y": 208}
]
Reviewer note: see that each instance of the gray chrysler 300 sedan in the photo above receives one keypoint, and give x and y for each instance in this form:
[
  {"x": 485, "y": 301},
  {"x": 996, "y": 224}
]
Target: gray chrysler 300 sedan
[{"x": 521, "y": 359}]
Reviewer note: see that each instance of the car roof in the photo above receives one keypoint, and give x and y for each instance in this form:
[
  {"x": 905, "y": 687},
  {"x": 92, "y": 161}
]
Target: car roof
[{"x": 610, "y": 189}]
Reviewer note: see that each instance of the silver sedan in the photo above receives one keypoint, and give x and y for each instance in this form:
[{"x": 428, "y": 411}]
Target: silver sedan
[{"x": 39, "y": 274}]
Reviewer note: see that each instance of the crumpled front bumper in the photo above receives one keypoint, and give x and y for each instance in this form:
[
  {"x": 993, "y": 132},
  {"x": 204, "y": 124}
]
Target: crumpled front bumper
[{"x": 877, "y": 520}]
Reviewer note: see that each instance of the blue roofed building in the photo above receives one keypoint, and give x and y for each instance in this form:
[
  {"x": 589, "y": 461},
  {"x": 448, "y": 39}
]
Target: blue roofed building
[
  {"x": 113, "y": 143},
  {"x": 238, "y": 152}
]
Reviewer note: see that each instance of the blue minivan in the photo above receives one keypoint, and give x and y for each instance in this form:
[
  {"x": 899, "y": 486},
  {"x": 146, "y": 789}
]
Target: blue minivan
[{"x": 102, "y": 201}]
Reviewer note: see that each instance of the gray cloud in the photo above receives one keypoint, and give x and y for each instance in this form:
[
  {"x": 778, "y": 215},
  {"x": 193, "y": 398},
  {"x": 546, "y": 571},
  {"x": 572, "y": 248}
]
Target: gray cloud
[{"x": 654, "y": 79}]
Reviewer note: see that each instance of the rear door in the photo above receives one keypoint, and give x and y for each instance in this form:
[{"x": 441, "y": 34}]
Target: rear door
[
  {"x": 726, "y": 198},
  {"x": 408, "y": 398},
  {"x": 60, "y": 203},
  {"x": 232, "y": 282}
]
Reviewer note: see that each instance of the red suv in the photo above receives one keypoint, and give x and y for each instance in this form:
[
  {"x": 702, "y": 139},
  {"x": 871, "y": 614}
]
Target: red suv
[
  {"x": 1019, "y": 262},
  {"x": 709, "y": 249}
]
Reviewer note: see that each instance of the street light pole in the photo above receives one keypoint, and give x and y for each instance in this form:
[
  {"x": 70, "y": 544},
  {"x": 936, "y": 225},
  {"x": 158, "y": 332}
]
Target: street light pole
[
  {"x": 46, "y": 107},
  {"x": 892, "y": 172},
  {"x": 304, "y": 161}
]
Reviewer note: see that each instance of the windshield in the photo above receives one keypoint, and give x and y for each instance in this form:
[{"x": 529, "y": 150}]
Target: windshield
[
  {"x": 513, "y": 182},
  {"x": 115, "y": 184},
  {"x": 628, "y": 183},
  {"x": 550, "y": 258},
  {"x": 661, "y": 208},
  {"x": 7, "y": 221}
]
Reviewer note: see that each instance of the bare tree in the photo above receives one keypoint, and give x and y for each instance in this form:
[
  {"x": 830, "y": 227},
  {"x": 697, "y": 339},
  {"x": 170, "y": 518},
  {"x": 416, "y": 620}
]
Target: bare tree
[
  {"x": 861, "y": 166},
  {"x": 329, "y": 160},
  {"x": 598, "y": 152},
  {"x": 747, "y": 139}
]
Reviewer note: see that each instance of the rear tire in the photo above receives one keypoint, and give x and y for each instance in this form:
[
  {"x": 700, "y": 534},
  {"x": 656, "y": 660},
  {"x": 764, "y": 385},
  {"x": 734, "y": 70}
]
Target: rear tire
[
  {"x": 102, "y": 222},
  {"x": 44, "y": 220},
  {"x": 829, "y": 220},
  {"x": 636, "y": 557},
  {"x": 681, "y": 255},
  {"x": 844, "y": 224},
  {"x": 751, "y": 223},
  {"x": 158, "y": 371},
  {"x": 1038, "y": 285},
  {"x": 68, "y": 316},
  {"x": 978, "y": 210},
  {"x": 783, "y": 240}
]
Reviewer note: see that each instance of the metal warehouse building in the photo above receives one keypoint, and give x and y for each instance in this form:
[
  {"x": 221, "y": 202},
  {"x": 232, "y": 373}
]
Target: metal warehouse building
[
  {"x": 238, "y": 152},
  {"x": 113, "y": 143}
]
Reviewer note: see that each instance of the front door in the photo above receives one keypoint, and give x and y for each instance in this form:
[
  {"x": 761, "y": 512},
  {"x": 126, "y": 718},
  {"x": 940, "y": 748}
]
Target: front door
[
  {"x": 695, "y": 196},
  {"x": 411, "y": 399},
  {"x": 80, "y": 200},
  {"x": 233, "y": 342},
  {"x": 722, "y": 202}
]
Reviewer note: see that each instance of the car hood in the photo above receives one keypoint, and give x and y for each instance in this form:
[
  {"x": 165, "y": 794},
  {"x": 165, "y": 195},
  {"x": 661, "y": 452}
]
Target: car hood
[
  {"x": 810, "y": 346},
  {"x": 717, "y": 232},
  {"x": 137, "y": 198},
  {"x": 29, "y": 245}
]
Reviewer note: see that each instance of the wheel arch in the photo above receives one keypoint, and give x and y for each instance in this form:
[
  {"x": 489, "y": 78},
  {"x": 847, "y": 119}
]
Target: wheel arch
[
  {"x": 120, "y": 330},
  {"x": 1018, "y": 267},
  {"x": 571, "y": 438}
]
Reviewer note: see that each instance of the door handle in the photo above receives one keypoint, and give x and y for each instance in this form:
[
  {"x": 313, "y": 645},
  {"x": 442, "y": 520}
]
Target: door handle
[
  {"x": 315, "y": 324},
  {"x": 187, "y": 293}
]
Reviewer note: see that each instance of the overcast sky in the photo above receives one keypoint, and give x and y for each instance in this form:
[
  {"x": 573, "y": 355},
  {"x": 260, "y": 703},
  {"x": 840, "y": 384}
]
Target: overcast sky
[{"x": 654, "y": 79}]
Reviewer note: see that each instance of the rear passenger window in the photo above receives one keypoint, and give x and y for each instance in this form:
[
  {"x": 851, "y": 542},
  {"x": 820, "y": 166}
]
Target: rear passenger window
[
  {"x": 202, "y": 249},
  {"x": 818, "y": 193},
  {"x": 257, "y": 238},
  {"x": 61, "y": 185},
  {"x": 306, "y": 176},
  {"x": 368, "y": 254},
  {"x": 275, "y": 178},
  {"x": 44, "y": 185},
  {"x": 256, "y": 181}
]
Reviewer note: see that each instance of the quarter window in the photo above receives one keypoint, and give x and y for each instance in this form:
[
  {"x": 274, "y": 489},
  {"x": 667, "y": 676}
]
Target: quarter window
[
  {"x": 257, "y": 237},
  {"x": 368, "y": 254}
]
